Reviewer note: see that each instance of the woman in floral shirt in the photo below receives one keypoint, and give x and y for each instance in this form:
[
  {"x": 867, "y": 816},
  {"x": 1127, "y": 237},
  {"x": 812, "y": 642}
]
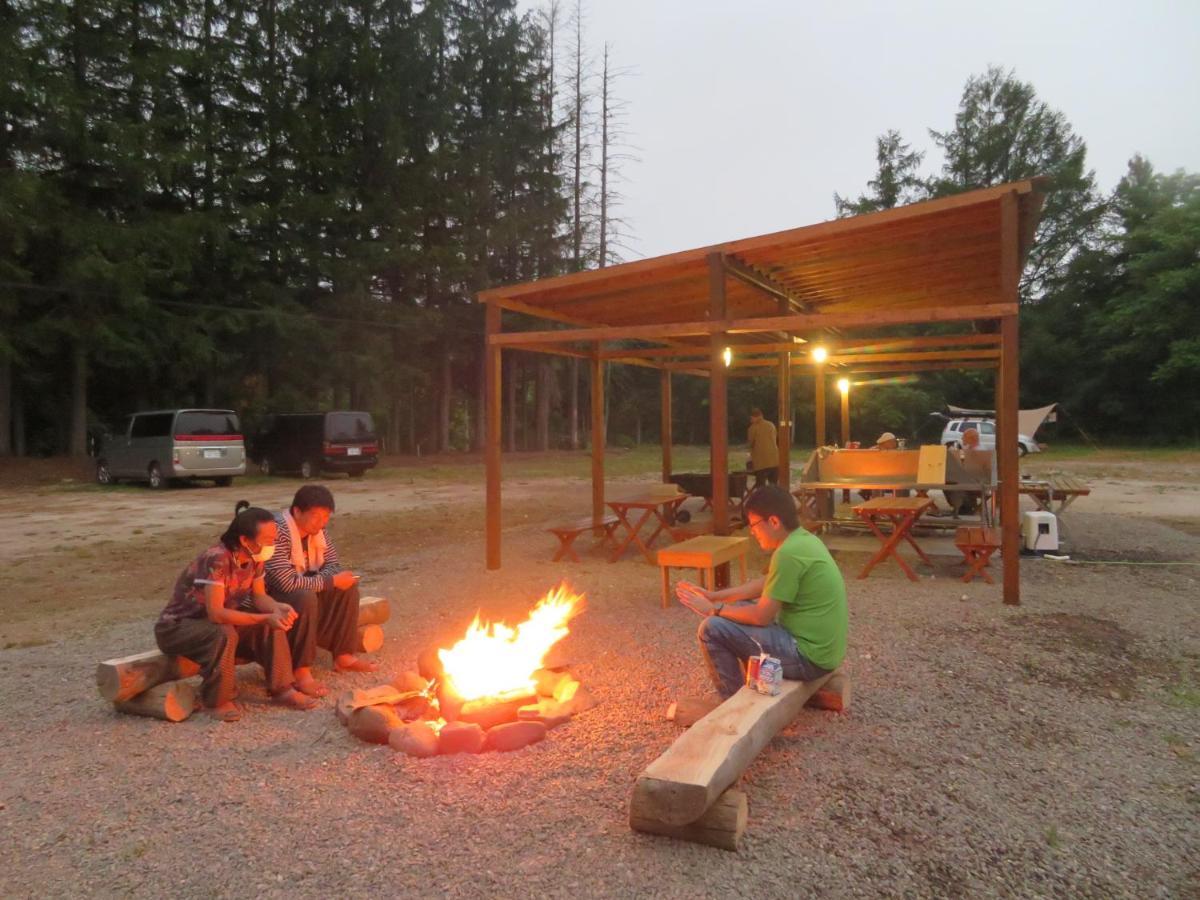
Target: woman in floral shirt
[{"x": 202, "y": 621}]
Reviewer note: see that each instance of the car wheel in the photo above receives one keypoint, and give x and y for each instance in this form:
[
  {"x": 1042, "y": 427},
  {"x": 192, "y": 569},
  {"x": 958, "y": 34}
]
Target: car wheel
[
  {"x": 154, "y": 473},
  {"x": 104, "y": 474},
  {"x": 266, "y": 466},
  {"x": 223, "y": 481},
  {"x": 307, "y": 469},
  {"x": 357, "y": 473},
  {"x": 1021, "y": 450}
]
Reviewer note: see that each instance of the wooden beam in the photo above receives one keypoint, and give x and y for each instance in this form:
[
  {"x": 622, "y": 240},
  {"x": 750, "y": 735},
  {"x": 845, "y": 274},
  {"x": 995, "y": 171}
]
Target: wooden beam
[
  {"x": 797, "y": 322},
  {"x": 683, "y": 783},
  {"x": 1008, "y": 461},
  {"x": 881, "y": 344},
  {"x": 598, "y": 438},
  {"x": 845, "y": 417},
  {"x": 665, "y": 424},
  {"x": 493, "y": 390},
  {"x": 762, "y": 281},
  {"x": 718, "y": 399},
  {"x": 925, "y": 356}
]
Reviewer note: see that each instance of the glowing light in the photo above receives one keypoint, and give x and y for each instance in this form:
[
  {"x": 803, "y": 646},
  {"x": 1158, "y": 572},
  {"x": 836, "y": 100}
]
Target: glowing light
[
  {"x": 494, "y": 658},
  {"x": 844, "y": 385},
  {"x": 819, "y": 354},
  {"x": 728, "y": 357}
]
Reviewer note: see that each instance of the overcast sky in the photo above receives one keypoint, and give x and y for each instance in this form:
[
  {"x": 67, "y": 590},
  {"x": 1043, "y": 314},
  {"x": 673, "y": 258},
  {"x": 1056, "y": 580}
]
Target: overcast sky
[{"x": 748, "y": 115}]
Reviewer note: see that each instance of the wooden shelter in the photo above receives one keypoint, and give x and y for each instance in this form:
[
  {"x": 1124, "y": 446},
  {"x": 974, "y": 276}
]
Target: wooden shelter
[{"x": 770, "y": 300}]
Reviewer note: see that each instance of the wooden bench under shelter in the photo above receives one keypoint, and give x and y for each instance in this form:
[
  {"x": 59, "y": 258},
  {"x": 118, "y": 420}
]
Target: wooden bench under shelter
[
  {"x": 1065, "y": 489},
  {"x": 977, "y": 545},
  {"x": 931, "y": 286},
  {"x": 689, "y": 792},
  {"x": 704, "y": 553},
  {"x": 152, "y": 683},
  {"x": 567, "y": 534}
]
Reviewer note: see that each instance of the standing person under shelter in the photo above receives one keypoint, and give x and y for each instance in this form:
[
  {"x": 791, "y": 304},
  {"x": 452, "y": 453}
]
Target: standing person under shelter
[
  {"x": 797, "y": 613},
  {"x": 305, "y": 573},
  {"x": 764, "y": 449},
  {"x": 202, "y": 621}
]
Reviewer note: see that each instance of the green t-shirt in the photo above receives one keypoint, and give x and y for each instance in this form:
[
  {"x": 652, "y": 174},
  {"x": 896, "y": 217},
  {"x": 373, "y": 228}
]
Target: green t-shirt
[{"x": 808, "y": 585}]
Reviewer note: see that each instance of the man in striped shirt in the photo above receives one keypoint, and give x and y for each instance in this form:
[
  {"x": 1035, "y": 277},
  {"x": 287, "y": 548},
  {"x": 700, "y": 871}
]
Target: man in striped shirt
[{"x": 305, "y": 574}]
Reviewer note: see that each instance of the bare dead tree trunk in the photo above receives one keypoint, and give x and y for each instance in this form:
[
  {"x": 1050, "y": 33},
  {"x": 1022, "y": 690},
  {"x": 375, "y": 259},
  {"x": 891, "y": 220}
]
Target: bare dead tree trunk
[
  {"x": 574, "y": 404},
  {"x": 18, "y": 421},
  {"x": 578, "y": 101},
  {"x": 445, "y": 397},
  {"x": 544, "y": 394},
  {"x": 603, "y": 261},
  {"x": 512, "y": 370},
  {"x": 79, "y": 399},
  {"x": 6, "y": 392}
]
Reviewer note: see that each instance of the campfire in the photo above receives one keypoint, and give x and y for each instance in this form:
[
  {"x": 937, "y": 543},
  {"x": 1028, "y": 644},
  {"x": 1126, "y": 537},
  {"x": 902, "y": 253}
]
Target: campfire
[{"x": 491, "y": 690}]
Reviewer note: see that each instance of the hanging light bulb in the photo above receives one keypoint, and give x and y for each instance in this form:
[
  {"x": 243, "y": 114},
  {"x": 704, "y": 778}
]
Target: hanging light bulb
[
  {"x": 819, "y": 354},
  {"x": 728, "y": 357},
  {"x": 844, "y": 385}
]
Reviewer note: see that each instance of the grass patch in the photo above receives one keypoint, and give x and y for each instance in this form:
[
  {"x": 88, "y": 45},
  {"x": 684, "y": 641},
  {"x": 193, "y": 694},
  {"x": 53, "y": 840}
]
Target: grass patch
[
  {"x": 1053, "y": 840},
  {"x": 1183, "y": 696}
]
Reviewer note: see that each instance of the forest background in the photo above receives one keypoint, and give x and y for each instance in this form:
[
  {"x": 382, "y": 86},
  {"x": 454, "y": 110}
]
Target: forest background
[{"x": 285, "y": 205}]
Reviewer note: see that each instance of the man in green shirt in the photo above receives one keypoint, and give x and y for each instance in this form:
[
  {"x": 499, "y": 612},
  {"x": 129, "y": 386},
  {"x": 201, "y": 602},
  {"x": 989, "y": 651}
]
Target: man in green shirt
[{"x": 797, "y": 613}]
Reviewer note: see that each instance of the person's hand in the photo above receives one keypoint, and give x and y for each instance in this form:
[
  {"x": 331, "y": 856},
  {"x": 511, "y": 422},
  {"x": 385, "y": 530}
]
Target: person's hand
[
  {"x": 344, "y": 580},
  {"x": 289, "y": 613},
  {"x": 280, "y": 620},
  {"x": 695, "y": 598}
]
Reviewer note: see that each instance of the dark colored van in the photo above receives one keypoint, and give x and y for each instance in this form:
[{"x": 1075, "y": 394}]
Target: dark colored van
[
  {"x": 312, "y": 443},
  {"x": 165, "y": 445}
]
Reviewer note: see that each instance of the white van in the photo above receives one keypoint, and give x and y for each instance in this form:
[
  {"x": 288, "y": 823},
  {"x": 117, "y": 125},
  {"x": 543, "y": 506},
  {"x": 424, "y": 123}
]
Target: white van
[{"x": 952, "y": 435}]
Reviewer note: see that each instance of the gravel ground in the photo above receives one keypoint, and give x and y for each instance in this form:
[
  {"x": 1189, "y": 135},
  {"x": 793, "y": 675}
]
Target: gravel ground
[{"x": 1047, "y": 750}]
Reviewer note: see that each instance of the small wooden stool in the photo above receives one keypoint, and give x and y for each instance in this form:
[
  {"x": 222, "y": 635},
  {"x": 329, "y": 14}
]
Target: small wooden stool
[
  {"x": 977, "y": 546},
  {"x": 704, "y": 553},
  {"x": 566, "y": 535}
]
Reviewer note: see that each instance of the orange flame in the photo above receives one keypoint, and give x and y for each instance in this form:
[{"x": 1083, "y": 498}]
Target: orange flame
[{"x": 495, "y": 659}]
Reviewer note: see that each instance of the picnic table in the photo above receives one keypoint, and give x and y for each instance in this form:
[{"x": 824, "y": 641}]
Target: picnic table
[
  {"x": 653, "y": 505},
  {"x": 1063, "y": 488},
  {"x": 902, "y": 513}
]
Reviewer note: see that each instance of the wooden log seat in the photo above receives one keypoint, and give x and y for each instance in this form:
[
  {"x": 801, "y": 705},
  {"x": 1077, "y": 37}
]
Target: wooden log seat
[
  {"x": 129, "y": 677},
  {"x": 567, "y": 534},
  {"x": 977, "y": 545},
  {"x": 685, "y": 793}
]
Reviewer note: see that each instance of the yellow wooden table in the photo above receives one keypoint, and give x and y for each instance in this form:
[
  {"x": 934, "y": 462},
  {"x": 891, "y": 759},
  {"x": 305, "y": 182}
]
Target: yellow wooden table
[{"x": 704, "y": 553}]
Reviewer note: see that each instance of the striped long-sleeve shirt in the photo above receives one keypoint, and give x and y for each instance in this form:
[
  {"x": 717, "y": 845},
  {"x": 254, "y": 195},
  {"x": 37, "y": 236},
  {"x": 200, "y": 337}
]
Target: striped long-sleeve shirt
[{"x": 282, "y": 574}]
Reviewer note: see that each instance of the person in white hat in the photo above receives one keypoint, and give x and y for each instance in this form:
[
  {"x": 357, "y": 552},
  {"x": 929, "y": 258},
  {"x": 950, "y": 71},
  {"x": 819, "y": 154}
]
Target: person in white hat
[{"x": 887, "y": 441}]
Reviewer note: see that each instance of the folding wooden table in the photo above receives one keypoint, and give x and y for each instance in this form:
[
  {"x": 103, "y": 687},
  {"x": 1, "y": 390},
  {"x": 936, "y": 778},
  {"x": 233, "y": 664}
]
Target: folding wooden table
[
  {"x": 653, "y": 505},
  {"x": 902, "y": 513}
]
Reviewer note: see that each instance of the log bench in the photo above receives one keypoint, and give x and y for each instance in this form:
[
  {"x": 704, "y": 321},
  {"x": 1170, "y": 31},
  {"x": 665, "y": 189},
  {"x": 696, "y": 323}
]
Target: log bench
[
  {"x": 150, "y": 683},
  {"x": 567, "y": 534},
  {"x": 977, "y": 546},
  {"x": 688, "y": 792}
]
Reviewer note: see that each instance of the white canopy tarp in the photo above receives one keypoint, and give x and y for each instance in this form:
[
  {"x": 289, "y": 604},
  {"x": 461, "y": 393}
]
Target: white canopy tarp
[{"x": 1028, "y": 420}]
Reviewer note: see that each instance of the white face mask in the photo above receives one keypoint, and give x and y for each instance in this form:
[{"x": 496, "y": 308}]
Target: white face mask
[{"x": 264, "y": 553}]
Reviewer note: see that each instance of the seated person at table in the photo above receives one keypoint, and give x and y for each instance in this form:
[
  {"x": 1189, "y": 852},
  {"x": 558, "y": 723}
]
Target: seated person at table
[
  {"x": 797, "y": 613},
  {"x": 963, "y": 503},
  {"x": 203, "y": 621},
  {"x": 887, "y": 441},
  {"x": 305, "y": 574}
]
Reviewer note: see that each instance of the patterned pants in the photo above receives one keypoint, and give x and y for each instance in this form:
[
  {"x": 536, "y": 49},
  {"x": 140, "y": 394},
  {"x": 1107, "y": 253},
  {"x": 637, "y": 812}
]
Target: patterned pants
[{"x": 217, "y": 649}]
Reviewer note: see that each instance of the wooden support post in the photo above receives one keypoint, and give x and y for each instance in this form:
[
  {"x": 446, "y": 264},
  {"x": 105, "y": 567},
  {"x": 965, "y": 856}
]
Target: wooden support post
[
  {"x": 784, "y": 431},
  {"x": 845, "y": 417},
  {"x": 1008, "y": 460},
  {"x": 819, "y": 397},
  {"x": 718, "y": 409},
  {"x": 722, "y": 824},
  {"x": 665, "y": 428},
  {"x": 679, "y": 786},
  {"x": 493, "y": 389},
  {"x": 597, "y": 367}
]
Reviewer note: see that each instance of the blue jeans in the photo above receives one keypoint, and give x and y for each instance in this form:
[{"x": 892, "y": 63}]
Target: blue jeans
[{"x": 727, "y": 645}]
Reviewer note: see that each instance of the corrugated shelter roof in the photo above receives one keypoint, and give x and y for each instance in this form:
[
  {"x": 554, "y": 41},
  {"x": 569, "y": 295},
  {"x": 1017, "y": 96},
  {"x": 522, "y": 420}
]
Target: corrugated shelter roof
[{"x": 935, "y": 254}]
